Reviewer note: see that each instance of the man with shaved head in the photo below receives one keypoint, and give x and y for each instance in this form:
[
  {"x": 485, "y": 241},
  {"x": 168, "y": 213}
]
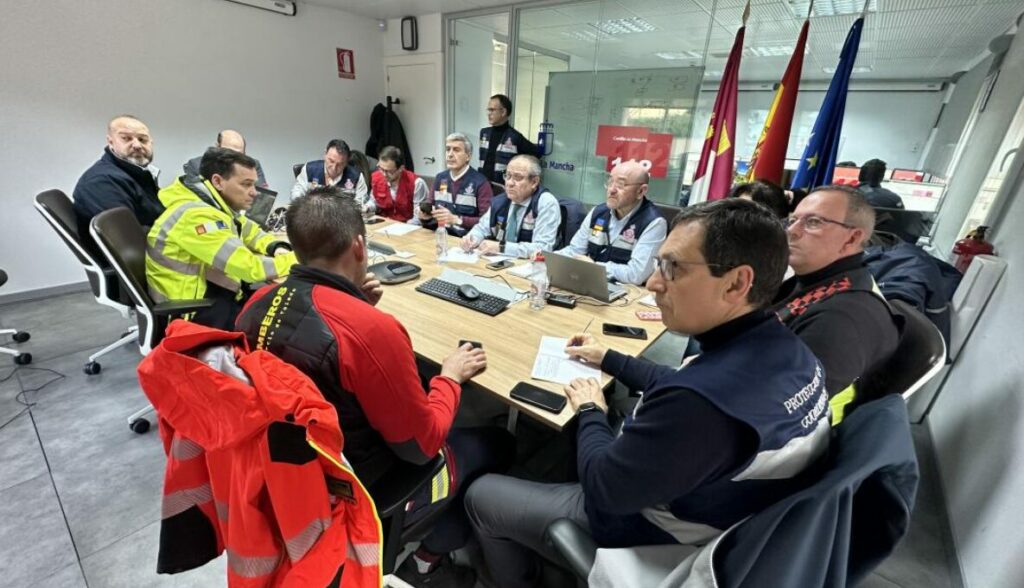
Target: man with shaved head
[
  {"x": 624, "y": 233},
  {"x": 123, "y": 176},
  {"x": 227, "y": 139}
]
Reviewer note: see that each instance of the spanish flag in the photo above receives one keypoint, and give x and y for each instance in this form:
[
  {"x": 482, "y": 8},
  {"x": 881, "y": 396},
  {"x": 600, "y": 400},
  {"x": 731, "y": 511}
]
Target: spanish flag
[
  {"x": 713, "y": 177},
  {"x": 770, "y": 153}
]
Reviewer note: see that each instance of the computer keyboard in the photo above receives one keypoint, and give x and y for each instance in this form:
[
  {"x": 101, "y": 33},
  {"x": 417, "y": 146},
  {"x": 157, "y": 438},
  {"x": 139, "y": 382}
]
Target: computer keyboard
[{"x": 487, "y": 304}]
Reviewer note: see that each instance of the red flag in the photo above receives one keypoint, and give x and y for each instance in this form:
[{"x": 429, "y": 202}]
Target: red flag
[
  {"x": 770, "y": 153},
  {"x": 713, "y": 178}
]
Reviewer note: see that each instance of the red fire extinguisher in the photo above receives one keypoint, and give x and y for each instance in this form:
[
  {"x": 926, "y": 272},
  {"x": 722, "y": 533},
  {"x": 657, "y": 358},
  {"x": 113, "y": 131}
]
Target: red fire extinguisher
[{"x": 973, "y": 244}]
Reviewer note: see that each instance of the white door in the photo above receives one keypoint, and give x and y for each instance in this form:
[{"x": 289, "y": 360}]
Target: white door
[{"x": 418, "y": 86}]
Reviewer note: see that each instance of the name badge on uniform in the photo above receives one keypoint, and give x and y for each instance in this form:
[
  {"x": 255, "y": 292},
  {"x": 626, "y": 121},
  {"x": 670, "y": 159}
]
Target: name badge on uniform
[
  {"x": 499, "y": 228},
  {"x": 528, "y": 221},
  {"x": 629, "y": 235}
]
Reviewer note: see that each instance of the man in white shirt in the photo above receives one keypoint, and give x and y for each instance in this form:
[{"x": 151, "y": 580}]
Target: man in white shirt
[
  {"x": 521, "y": 222},
  {"x": 624, "y": 233}
]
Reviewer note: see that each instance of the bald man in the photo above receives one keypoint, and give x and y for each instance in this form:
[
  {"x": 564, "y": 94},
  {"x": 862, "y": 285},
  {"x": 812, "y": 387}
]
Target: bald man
[
  {"x": 624, "y": 233},
  {"x": 227, "y": 139},
  {"x": 123, "y": 176}
]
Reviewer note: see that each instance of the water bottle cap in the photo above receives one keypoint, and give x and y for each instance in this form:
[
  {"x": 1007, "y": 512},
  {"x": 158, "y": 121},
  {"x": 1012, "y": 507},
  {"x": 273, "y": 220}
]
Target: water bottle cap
[{"x": 539, "y": 257}]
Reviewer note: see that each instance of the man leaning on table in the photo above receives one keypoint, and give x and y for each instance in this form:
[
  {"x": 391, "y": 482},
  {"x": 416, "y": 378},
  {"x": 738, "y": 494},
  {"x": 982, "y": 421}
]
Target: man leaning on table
[
  {"x": 522, "y": 221},
  {"x": 708, "y": 444},
  {"x": 624, "y": 233}
]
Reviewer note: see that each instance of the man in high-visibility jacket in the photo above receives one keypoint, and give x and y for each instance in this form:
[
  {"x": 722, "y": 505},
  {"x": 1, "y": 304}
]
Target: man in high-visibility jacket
[{"x": 201, "y": 247}]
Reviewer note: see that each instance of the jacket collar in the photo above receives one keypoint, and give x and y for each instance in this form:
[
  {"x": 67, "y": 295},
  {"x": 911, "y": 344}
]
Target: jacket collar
[
  {"x": 137, "y": 172},
  {"x": 321, "y": 277},
  {"x": 837, "y": 267},
  {"x": 207, "y": 193}
]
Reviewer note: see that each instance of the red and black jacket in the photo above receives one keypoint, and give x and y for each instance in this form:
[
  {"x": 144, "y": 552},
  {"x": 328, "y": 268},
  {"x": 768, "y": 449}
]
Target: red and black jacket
[{"x": 362, "y": 361}]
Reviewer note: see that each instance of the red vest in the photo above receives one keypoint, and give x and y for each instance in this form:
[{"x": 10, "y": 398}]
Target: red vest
[
  {"x": 254, "y": 468},
  {"x": 399, "y": 209}
]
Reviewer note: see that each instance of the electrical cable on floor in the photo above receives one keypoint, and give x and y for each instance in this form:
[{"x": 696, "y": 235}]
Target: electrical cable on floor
[{"x": 21, "y": 397}]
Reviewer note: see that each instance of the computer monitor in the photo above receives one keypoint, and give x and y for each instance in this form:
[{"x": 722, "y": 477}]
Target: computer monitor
[
  {"x": 847, "y": 176},
  {"x": 908, "y": 175}
]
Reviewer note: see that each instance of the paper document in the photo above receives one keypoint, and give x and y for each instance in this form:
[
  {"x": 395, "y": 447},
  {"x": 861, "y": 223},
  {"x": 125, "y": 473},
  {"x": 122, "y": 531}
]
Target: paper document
[
  {"x": 554, "y": 365},
  {"x": 457, "y": 255},
  {"x": 496, "y": 257},
  {"x": 397, "y": 230},
  {"x": 523, "y": 270},
  {"x": 404, "y": 254}
]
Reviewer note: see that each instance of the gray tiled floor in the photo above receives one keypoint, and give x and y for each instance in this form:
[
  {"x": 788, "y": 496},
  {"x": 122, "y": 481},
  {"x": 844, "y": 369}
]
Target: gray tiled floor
[{"x": 79, "y": 492}]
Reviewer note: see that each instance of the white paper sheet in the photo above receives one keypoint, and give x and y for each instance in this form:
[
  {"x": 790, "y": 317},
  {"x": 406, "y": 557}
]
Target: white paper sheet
[
  {"x": 397, "y": 230},
  {"x": 553, "y": 365},
  {"x": 523, "y": 270},
  {"x": 404, "y": 254},
  {"x": 648, "y": 301},
  {"x": 457, "y": 255}
]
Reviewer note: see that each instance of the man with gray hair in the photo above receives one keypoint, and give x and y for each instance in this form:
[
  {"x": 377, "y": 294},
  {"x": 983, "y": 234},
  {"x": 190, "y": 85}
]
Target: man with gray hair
[
  {"x": 832, "y": 302},
  {"x": 521, "y": 222},
  {"x": 461, "y": 193},
  {"x": 227, "y": 139}
]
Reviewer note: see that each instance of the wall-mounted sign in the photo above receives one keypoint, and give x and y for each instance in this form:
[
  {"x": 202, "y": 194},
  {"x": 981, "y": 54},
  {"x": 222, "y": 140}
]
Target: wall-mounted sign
[
  {"x": 346, "y": 64},
  {"x": 620, "y": 144}
]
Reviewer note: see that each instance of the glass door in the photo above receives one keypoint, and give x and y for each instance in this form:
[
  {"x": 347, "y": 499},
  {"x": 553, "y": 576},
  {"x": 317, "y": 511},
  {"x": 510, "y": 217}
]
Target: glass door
[{"x": 478, "y": 59}]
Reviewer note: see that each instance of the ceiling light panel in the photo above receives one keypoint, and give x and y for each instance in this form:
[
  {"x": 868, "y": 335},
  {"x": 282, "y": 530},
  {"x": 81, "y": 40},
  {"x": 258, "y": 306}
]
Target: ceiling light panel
[
  {"x": 625, "y": 26},
  {"x": 829, "y": 7}
]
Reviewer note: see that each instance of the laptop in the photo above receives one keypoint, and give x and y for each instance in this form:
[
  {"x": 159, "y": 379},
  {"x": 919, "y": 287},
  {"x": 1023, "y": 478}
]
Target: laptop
[
  {"x": 581, "y": 277},
  {"x": 262, "y": 211}
]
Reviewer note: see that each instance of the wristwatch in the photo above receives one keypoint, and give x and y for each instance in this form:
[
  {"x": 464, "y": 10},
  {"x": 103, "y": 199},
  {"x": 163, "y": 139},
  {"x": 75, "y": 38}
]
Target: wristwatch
[{"x": 587, "y": 407}]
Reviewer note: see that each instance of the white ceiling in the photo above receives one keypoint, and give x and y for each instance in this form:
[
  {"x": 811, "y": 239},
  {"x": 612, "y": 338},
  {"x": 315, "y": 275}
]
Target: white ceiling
[{"x": 904, "y": 39}]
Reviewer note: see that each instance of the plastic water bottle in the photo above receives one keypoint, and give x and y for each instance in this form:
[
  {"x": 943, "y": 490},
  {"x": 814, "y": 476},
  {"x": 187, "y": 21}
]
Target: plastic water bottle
[
  {"x": 441, "y": 236},
  {"x": 538, "y": 283}
]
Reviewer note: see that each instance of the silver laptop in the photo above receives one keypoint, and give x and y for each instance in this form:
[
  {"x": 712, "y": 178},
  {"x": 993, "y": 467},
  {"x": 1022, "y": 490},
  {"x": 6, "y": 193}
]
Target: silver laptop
[{"x": 581, "y": 277}]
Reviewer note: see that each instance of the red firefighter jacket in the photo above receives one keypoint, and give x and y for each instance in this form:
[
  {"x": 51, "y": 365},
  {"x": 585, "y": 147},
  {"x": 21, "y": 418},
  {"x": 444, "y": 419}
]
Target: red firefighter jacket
[{"x": 254, "y": 468}]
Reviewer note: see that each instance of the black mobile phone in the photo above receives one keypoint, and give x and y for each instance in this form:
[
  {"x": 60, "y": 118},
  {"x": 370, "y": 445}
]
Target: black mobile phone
[
  {"x": 624, "y": 331},
  {"x": 373, "y": 221},
  {"x": 538, "y": 397},
  {"x": 500, "y": 265},
  {"x": 475, "y": 344},
  {"x": 426, "y": 207}
]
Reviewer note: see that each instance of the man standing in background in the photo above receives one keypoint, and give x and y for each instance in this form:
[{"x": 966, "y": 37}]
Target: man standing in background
[{"x": 499, "y": 143}]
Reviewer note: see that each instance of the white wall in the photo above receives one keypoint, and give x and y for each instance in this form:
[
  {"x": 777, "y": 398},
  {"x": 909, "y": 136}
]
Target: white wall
[
  {"x": 977, "y": 422},
  {"x": 186, "y": 67},
  {"x": 954, "y": 117}
]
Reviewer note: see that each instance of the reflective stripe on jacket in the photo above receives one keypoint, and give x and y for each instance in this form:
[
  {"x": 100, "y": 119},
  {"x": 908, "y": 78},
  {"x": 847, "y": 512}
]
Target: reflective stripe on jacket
[
  {"x": 199, "y": 238},
  {"x": 254, "y": 468}
]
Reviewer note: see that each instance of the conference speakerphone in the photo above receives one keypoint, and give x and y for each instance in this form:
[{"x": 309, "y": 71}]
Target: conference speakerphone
[{"x": 485, "y": 303}]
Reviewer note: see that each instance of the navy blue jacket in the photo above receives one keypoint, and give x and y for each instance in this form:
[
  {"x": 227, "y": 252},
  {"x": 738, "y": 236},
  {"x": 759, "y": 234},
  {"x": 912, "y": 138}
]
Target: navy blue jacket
[
  {"x": 839, "y": 528},
  {"x": 691, "y": 459},
  {"x": 112, "y": 183},
  {"x": 498, "y": 145}
]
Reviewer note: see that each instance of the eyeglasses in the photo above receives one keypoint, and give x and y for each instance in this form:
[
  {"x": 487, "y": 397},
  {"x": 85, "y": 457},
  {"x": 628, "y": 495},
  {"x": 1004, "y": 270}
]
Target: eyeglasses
[
  {"x": 620, "y": 184},
  {"x": 814, "y": 223},
  {"x": 494, "y": 109},
  {"x": 387, "y": 172},
  {"x": 516, "y": 177},
  {"x": 667, "y": 266}
]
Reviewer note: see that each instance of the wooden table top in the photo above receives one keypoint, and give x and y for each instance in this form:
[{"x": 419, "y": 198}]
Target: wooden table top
[{"x": 510, "y": 339}]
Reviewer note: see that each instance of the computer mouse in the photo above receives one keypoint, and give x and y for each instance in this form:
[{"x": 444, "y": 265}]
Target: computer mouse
[{"x": 469, "y": 292}]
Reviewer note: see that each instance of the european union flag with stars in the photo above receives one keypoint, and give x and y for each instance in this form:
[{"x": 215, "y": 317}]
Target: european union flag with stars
[{"x": 819, "y": 157}]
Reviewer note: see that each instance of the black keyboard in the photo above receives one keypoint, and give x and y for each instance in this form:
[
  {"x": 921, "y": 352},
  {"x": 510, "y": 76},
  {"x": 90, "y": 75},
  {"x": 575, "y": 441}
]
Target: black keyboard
[{"x": 487, "y": 304}]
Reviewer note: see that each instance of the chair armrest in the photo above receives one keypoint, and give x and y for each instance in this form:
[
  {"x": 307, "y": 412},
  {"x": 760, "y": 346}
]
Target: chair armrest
[
  {"x": 179, "y": 307},
  {"x": 391, "y": 492},
  {"x": 575, "y": 545}
]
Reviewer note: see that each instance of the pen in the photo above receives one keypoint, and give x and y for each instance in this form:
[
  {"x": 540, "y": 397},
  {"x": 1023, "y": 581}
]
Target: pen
[{"x": 588, "y": 324}]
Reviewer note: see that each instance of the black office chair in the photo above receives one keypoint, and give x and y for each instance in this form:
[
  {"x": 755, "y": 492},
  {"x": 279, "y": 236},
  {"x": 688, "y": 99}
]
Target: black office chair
[
  {"x": 667, "y": 211},
  {"x": 59, "y": 212},
  {"x": 391, "y": 494},
  {"x": 20, "y": 357},
  {"x": 849, "y": 516},
  {"x": 122, "y": 240},
  {"x": 919, "y": 356},
  {"x": 297, "y": 169}
]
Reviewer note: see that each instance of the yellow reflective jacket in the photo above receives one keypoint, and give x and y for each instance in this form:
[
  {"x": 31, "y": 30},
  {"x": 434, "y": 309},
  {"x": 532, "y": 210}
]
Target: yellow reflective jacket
[{"x": 198, "y": 238}]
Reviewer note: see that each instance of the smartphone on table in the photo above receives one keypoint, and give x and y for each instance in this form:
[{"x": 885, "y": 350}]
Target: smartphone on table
[
  {"x": 624, "y": 331},
  {"x": 500, "y": 264},
  {"x": 538, "y": 397}
]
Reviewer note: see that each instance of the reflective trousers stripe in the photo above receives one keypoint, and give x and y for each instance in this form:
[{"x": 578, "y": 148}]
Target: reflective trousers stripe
[
  {"x": 303, "y": 541},
  {"x": 252, "y": 566},
  {"x": 367, "y": 554},
  {"x": 183, "y": 449},
  {"x": 178, "y": 502}
]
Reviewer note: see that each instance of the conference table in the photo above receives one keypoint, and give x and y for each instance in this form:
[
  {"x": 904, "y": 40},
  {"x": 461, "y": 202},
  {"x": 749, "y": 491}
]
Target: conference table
[{"x": 511, "y": 339}]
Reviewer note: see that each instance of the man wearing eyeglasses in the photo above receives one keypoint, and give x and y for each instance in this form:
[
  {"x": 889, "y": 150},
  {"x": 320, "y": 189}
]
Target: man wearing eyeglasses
[
  {"x": 624, "y": 233},
  {"x": 832, "y": 302},
  {"x": 499, "y": 143},
  {"x": 396, "y": 191},
  {"x": 708, "y": 444},
  {"x": 522, "y": 221}
]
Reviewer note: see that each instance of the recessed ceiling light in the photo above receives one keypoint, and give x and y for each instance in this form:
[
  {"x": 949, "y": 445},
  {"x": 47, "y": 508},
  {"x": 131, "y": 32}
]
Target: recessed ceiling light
[
  {"x": 856, "y": 69},
  {"x": 830, "y": 7},
  {"x": 624, "y": 26},
  {"x": 588, "y": 35},
  {"x": 678, "y": 55},
  {"x": 771, "y": 51}
]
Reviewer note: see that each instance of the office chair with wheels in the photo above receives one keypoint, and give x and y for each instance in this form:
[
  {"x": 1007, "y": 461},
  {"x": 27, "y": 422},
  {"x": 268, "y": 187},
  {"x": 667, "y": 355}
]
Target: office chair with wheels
[
  {"x": 57, "y": 209},
  {"x": 20, "y": 357},
  {"x": 920, "y": 355},
  {"x": 853, "y": 510},
  {"x": 122, "y": 240},
  {"x": 391, "y": 493}
]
